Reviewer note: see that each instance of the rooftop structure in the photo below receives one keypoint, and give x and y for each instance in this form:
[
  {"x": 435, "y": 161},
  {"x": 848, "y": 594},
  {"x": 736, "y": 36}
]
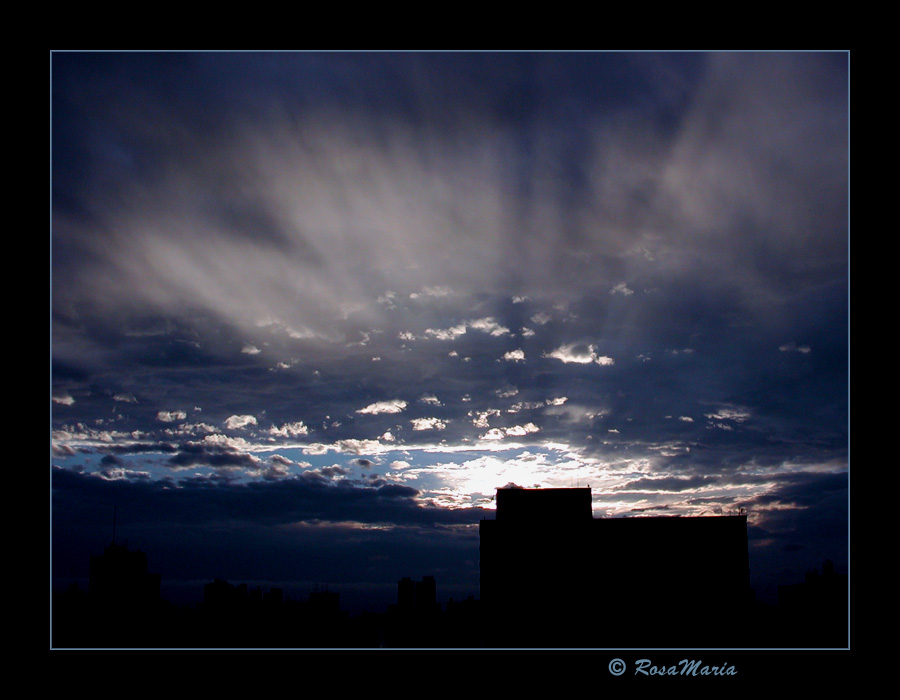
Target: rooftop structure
[{"x": 548, "y": 565}]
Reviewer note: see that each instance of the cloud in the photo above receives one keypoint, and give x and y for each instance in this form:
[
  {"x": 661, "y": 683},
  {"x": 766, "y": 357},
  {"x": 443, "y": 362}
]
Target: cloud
[
  {"x": 738, "y": 414},
  {"x": 480, "y": 418},
  {"x": 239, "y": 422},
  {"x": 514, "y": 356},
  {"x": 512, "y": 431},
  {"x": 580, "y": 353},
  {"x": 520, "y": 430},
  {"x": 171, "y": 416},
  {"x": 393, "y": 406},
  {"x": 120, "y": 474},
  {"x": 793, "y": 347},
  {"x": 428, "y": 424},
  {"x": 217, "y": 454},
  {"x": 290, "y": 430},
  {"x": 447, "y": 333},
  {"x": 489, "y": 325}
]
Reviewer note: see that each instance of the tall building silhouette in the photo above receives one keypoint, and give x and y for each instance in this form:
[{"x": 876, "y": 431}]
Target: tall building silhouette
[
  {"x": 122, "y": 607},
  {"x": 406, "y": 595},
  {"x": 553, "y": 575},
  {"x": 120, "y": 578}
]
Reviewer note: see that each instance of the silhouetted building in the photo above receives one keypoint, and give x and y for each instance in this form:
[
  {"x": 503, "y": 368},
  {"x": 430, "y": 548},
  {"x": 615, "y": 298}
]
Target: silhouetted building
[
  {"x": 406, "y": 595},
  {"x": 426, "y": 596},
  {"x": 815, "y": 613},
  {"x": 120, "y": 578},
  {"x": 122, "y": 607},
  {"x": 552, "y": 575},
  {"x": 220, "y": 595},
  {"x": 324, "y": 603}
]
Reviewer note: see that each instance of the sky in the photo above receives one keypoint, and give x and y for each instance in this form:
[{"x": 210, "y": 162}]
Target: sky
[{"x": 310, "y": 310}]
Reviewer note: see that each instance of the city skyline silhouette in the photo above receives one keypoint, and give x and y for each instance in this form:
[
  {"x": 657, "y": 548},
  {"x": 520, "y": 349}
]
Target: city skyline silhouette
[{"x": 552, "y": 576}]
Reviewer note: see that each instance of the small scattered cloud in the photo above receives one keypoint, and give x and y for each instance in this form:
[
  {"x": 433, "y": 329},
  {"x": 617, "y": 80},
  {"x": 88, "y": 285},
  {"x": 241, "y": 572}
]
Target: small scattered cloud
[
  {"x": 489, "y": 325},
  {"x": 793, "y": 347},
  {"x": 393, "y": 406},
  {"x": 447, "y": 333},
  {"x": 289, "y": 429},
  {"x": 525, "y": 406},
  {"x": 387, "y": 299},
  {"x": 514, "y": 356},
  {"x": 428, "y": 424},
  {"x": 520, "y": 430},
  {"x": 239, "y": 422},
  {"x": 250, "y": 349},
  {"x": 731, "y": 413},
  {"x": 170, "y": 416},
  {"x": 579, "y": 353},
  {"x": 432, "y": 292},
  {"x": 480, "y": 419},
  {"x": 513, "y": 431},
  {"x": 120, "y": 474},
  {"x": 622, "y": 289}
]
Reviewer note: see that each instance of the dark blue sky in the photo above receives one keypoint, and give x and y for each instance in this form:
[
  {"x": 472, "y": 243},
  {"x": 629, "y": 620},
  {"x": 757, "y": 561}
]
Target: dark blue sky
[{"x": 311, "y": 309}]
